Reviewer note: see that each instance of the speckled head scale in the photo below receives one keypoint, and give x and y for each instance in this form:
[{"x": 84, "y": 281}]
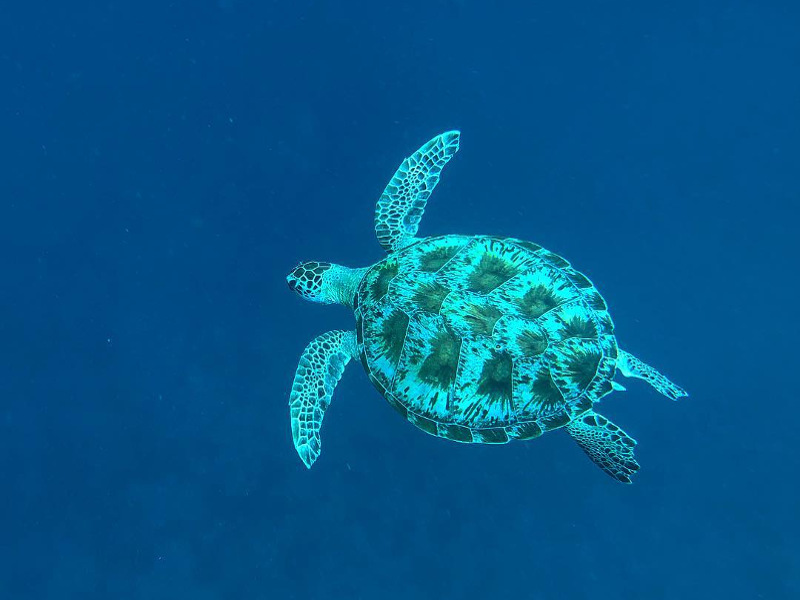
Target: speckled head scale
[{"x": 306, "y": 279}]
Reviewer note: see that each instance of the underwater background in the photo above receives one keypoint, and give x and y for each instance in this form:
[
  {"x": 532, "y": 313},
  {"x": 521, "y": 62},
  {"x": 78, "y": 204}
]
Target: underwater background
[{"x": 163, "y": 166}]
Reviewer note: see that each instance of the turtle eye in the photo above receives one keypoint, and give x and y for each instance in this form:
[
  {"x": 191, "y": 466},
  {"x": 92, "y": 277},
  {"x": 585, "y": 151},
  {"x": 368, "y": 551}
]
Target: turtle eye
[{"x": 296, "y": 277}]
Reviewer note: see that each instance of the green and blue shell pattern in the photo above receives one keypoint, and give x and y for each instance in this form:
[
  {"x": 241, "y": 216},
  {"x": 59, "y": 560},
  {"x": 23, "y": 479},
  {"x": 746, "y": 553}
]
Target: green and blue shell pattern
[{"x": 484, "y": 339}]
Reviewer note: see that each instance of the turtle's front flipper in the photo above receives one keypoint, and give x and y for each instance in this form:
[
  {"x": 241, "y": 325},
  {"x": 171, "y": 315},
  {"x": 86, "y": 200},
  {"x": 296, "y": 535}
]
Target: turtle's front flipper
[
  {"x": 402, "y": 203},
  {"x": 630, "y": 366},
  {"x": 321, "y": 366},
  {"x": 607, "y": 445}
]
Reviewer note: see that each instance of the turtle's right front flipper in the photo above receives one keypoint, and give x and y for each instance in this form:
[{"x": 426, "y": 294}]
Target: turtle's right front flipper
[
  {"x": 321, "y": 366},
  {"x": 402, "y": 203}
]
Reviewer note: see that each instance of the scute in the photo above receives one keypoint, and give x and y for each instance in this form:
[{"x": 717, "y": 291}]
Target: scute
[
  {"x": 484, "y": 339},
  {"x": 483, "y": 395}
]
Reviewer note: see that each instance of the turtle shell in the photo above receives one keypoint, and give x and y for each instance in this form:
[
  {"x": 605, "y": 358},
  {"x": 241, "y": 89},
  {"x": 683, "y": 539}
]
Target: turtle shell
[{"x": 484, "y": 339}]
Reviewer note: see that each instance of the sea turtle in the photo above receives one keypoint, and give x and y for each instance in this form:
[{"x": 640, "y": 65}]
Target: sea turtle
[{"x": 473, "y": 338}]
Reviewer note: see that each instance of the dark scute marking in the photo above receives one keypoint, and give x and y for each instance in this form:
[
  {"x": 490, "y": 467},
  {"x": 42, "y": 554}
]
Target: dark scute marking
[
  {"x": 440, "y": 366},
  {"x": 582, "y": 366},
  {"x": 457, "y": 433},
  {"x": 359, "y": 330},
  {"x": 393, "y": 335},
  {"x": 491, "y": 272},
  {"x": 595, "y": 300},
  {"x": 545, "y": 392},
  {"x": 430, "y": 296},
  {"x": 496, "y": 435},
  {"x": 580, "y": 280},
  {"x": 528, "y": 245},
  {"x": 555, "y": 421},
  {"x": 495, "y": 381},
  {"x": 580, "y": 327},
  {"x": 397, "y": 405},
  {"x": 590, "y": 420},
  {"x": 531, "y": 342},
  {"x": 434, "y": 260},
  {"x": 537, "y": 301},
  {"x": 558, "y": 261},
  {"x": 375, "y": 381},
  {"x": 423, "y": 423},
  {"x": 583, "y": 402},
  {"x": 481, "y": 319},
  {"x": 381, "y": 284},
  {"x": 606, "y": 323},
  {"x": 526, "y": 431},
  {"x": 600, "y": 388}
]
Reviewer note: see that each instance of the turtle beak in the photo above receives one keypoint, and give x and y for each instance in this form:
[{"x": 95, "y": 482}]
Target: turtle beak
[{"x": 292, "y": 281}]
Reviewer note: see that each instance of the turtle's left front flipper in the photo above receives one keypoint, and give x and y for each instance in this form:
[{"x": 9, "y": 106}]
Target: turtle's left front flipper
[
  {"x": 402, "y": 203},
  {"x": 630, "y": 366},
  {"x": 321, "y": 366}
]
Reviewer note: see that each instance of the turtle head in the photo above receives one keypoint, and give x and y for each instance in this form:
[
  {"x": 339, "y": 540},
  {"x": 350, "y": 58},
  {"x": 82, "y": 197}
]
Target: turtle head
[
  {"x": 307, "y": 280},
  {"x": 324, "y": 282}
]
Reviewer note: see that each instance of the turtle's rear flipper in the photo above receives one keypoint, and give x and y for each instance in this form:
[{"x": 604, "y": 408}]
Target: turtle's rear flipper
[
  {"x": 630, "y": 366},
  {"x": 320, "y": 368},
  {"x": 607, "y": 445}
]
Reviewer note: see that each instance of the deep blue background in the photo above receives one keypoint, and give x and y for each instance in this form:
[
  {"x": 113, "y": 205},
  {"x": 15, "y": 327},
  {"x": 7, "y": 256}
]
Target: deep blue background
[{"x": 163, "y": 165}]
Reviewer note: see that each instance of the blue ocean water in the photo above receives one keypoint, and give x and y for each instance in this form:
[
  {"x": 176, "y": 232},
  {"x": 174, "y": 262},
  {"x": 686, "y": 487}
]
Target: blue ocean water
[{"x": 165, "y": 164}]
